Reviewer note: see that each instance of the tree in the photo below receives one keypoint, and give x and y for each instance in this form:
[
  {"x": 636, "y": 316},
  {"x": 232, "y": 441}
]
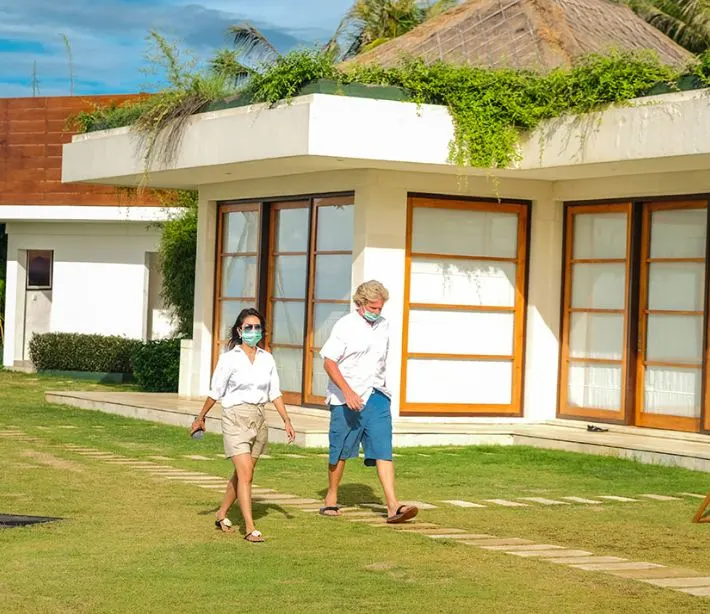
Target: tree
[{"x": 687, "y": 22}]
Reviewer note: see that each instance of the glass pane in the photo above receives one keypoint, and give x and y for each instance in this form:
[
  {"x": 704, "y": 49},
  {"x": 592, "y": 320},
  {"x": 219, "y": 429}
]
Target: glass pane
[
  {"x": 595, "y": 386},
  {"x": 39, "y": 269},
  {"x": 678, "y": 233},
  {"x": 335, "y": 228},
  {"x": 290, "y": 273},
  {"x": 288, "y": 322},
  {"x": 673, "y": 392},
  {"x": 333, "y": 275},
  {"x": 676, "y": 286},
  {"x": 229, "y": 310},
  {"x": 241, "y": 231},
  {"x": 596, "y": 335},
  {"x": 289, "y": 365},
  {"x": 442, "y": 381},
  {"x": 599, "y": 235},
  {"x": 325, "y": 317},
  {"x": 674, "y": 338},
  {"x": 456, "y": 282},
  {"x": 238, "y": 276},
  {"x": 320, "y": 378},
  {"x": 292, "y": 235},
  {"x": 598, "y": 286},
  {"x": 466, "y": 233},
  {"x": 461, "y": 332}
]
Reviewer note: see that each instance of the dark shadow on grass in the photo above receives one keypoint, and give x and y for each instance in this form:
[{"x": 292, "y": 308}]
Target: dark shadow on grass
[
  {"x": 259, "y": 510},
  {"x": 354, "y": 494}
]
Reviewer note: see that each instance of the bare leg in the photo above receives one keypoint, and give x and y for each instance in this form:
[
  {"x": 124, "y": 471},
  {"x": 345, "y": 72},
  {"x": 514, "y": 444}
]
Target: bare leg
[
  {"x": 244, "y": 465},
  {"x": 335, "y": 474},
  {"x": 385, "y": 471},
  {"x": 230, "y": 496}
]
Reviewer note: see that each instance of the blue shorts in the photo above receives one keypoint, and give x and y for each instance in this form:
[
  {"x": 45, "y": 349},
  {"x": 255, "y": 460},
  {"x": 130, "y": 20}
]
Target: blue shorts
[{"x": 372, "y": 426}]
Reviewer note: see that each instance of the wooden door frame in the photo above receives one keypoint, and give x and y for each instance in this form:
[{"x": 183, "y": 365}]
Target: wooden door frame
[{"x": 515, "y": 407}]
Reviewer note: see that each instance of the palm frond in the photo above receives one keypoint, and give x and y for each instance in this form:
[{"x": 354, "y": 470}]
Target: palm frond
[
  {"x": 250, "y": 43},
  {"x": 226, "y": 63}
]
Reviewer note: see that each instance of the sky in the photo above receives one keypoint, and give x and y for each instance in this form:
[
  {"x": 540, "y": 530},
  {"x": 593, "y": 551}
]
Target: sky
[{"x": 108, "y": 38}]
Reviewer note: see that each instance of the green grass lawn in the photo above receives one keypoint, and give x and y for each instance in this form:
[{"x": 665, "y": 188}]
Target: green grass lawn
[{"x": 131, "y": 543}]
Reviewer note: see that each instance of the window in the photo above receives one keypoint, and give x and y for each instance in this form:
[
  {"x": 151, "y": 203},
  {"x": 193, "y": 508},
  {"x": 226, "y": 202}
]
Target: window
[
  {"x": 39, "y": 269},
  {"x": 464, "y": 308}
]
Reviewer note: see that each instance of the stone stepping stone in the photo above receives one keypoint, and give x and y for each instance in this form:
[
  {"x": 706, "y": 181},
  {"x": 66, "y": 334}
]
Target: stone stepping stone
[
  {"x": 287, "y": 501},
  {"x": 210, "y": 486},
  {"x": 506, "y": 503},
  {"x": 661, "y": 572},
  {"x": 696, "y": 592},
  {"x": 442, "y": 531},
  {"x": 523, "y": 548},
  {"x": 67, "y": 426},
  {"x": 183, "y": 476},
  {"x": 556, "y": 552},
  {"x": 426, "y": 455},
  {"x": 459, "y": 503},
  {"x": 582, "y": 500},
  {"x": 323, "y": 455},
  {"x": 262, "y": 457},
  {"x": 412, "y": 526},
  {"x": 584, "y": 560},
  {"x": 267, "y": 497},
  {"x": 161, "y": 458},
  {"x": 371, "y": 520},
  {"x": 693, "y": 494},
  {"x": 679, "y": 582},
  {"x": 374, "y": 506},
  {"x": 197, "y": 457},
  {"x": 293, "y": 456},
  {"x": 361, "y": 514},
  {"x": 544, "y": 501},
  {"x": 661, "y": 497},
  {"x": 462, "y": 536},
  {"x": 197, "y": 478},
  {"x": 617, "y": 498},
  {"x": 616, "y": 566},
  {"x": 498, "y": 541},
  {"x": 420, "y": 504}
]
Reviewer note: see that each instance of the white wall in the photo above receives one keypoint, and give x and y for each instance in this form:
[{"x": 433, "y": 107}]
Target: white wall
[{"x": 99, "y": 280}]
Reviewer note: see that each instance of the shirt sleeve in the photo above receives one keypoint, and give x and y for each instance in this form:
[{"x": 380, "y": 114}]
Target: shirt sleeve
[
  {"x": 334, "y": 348},
  {"x": 274, "y": 384},
  {"x": 220, "y": 380}
]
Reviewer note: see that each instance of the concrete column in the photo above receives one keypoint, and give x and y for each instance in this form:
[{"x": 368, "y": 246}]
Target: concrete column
[
  {"x": 542, "y": 337},
  {"x": 14, "y": 304},
  {"x": 379, "y": 248}
]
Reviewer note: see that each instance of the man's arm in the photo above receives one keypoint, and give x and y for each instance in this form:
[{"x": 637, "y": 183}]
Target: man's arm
[{"x": 352, "y": 400}]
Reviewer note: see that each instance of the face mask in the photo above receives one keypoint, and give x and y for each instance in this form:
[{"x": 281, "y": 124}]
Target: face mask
[
  {"x": 251, "y": 337},
  {"x": 370, "y": 317}
]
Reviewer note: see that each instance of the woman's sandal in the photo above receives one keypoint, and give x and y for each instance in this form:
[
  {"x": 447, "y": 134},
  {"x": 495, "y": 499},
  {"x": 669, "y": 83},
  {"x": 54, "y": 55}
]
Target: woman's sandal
[
  {"x": 224, "y": 525},
  {"x": 254, "y": 537}
]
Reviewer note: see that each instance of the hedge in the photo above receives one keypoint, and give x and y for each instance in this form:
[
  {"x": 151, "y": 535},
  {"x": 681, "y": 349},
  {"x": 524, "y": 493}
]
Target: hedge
[
  {"x": 156, "y": 365},
  {"x": 78, "y": 352}
]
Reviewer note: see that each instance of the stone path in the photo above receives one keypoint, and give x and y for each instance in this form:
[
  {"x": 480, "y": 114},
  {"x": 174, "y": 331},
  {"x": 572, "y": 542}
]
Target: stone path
[{"x": 670, "y": 578}]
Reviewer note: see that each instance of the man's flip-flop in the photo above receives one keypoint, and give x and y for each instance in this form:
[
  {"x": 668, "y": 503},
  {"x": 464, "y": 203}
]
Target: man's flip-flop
[
  {"x": 404, "y": 513},
  {"x": 254, "y": 537},
  {"x": 330, "y": 508}
]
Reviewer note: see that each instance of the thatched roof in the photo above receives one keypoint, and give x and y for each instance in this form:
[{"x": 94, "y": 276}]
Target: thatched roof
[{"x": 533, "y": 34}]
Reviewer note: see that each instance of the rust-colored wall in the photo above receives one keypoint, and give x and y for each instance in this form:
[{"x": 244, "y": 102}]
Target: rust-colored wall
[{"x": 32, "y": 131}]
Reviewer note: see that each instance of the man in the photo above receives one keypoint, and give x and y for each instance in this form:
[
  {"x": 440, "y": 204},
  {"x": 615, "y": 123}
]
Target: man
[{"x": 355, "y": 357}]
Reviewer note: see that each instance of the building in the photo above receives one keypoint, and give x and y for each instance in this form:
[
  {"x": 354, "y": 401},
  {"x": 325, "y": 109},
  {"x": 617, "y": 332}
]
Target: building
[{"x": 80, "y": 258}]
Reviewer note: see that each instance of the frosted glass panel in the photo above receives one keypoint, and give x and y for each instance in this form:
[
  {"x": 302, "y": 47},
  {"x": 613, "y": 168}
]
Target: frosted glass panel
[
  {"x": 595, "y": 386},
  {"x": 459, "y": 381},
  {"x": 674, "y": 338},
  {"x": 229, "y": 310},
  {"x": 241, "y": 231},
  {"x": 678, "y": 233},
  {"x": 292, "y": 230},
  {"x": 467, "y": 233},
  {"x": 335, "y": 228},
  {"x": 596, "y": 335},
  {"x": 598, "y": 286},
  {"x": 325, "y": 317},
  {"x": 673, "y": 392},
  {"x": 461, "y": 332},
  {"x": 676, "y": 286},
  {"x": 457, "y": 282},
  {"x": 289, "y": 365},
  {"x": 238, "y": 276},
  {"x": 599, "y": 235},
  {"x": 333, "y": 275},
  {"x": 320, "y": 378},
  {"x": 288, "y": 323},
  {"x": 290, "y": 276}
]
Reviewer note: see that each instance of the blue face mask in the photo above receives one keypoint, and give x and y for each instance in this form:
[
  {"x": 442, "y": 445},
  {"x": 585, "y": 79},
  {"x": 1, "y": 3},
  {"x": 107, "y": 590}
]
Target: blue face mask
[
  {"x": 370, "y": 317},
  {"x": 251, "y": 337}
]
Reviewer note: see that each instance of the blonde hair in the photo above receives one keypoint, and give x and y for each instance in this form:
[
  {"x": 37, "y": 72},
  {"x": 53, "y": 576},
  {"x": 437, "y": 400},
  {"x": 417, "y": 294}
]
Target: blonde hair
[{"x": 370, "y": 291}]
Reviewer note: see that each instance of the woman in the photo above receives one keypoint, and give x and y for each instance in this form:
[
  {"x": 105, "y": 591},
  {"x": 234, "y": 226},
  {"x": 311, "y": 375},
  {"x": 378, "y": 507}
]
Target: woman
[{"x": 244, "y": 381}]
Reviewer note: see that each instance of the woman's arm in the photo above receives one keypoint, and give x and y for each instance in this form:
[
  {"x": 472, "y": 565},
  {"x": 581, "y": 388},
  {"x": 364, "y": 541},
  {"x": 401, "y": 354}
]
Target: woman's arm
[
  {"x": 199, "y": 423},
  {"x": 281, "y": 408}
]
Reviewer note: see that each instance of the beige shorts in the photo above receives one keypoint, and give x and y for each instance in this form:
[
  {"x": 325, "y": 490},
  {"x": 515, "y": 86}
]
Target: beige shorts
[{"x": 245, "y": 430}]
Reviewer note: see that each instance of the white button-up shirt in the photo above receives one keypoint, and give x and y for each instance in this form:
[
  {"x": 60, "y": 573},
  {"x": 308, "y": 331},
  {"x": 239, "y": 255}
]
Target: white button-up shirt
[
  {"x": 360, "y": 351},
  {"x": 237, "y": 380}
]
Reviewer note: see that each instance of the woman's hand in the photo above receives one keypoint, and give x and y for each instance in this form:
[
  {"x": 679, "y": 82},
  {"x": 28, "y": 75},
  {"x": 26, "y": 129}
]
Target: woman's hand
[
  {"x": 197, "y": 425},
  {"x": 290, "y": 433}
]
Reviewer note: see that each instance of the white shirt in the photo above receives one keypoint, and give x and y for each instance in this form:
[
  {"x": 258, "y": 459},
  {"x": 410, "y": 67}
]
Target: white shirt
[
  {"x": 360, "y": 351},
  {"x": 237, "y": 380}
]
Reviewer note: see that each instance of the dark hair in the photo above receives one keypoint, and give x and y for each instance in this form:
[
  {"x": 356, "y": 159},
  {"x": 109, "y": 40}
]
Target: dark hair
[{"x": 243, "y": 315}]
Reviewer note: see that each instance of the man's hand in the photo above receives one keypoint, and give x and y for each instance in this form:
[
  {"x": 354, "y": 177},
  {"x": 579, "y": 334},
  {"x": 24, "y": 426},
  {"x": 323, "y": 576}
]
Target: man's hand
[
  {"x": 290, "y": 432},
  {"x": 353, "y": 400}
]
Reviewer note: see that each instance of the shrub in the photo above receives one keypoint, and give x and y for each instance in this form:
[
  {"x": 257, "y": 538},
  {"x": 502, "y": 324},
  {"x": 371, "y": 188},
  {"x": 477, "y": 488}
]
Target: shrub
[
  {"x": 77, "y": 352},
  {"x": 156, "y": 365}
]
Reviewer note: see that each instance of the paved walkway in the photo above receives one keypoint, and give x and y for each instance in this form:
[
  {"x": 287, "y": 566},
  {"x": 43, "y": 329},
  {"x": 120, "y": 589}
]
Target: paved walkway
[{"x": 671, "y": 578}]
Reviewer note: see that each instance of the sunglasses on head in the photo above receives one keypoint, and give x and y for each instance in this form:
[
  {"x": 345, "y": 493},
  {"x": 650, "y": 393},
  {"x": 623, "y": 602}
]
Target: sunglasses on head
[{"x": 251, "y": 327}]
